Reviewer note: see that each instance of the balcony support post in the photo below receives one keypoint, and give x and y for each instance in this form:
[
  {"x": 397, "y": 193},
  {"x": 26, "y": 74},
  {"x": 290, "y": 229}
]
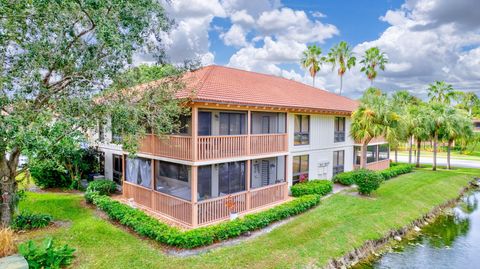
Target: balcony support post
[
  {"x": 194, "y": 132},
  {"x": 247, "y": 183},
  {"x": 249, "y": 131},
  {"x": 194, "y": 187}
]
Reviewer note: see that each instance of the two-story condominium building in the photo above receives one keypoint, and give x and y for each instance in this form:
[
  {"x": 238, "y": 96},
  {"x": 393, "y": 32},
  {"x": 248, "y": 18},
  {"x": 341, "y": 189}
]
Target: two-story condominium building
[{"x": 249, "y": 138}]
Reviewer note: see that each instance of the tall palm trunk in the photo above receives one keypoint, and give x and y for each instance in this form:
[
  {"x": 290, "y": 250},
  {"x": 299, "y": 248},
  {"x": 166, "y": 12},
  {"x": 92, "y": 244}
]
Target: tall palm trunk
[
  {"x": 435, "y": 142},
  {"x": 313, "y": 83},
  {"x": 419, "y": 146},
  {"x": 449, "y": 146},
  {"x": 410, "y": 146},
  {"x": 396, "y": 155},
  {"x": 341, "y": 84}
]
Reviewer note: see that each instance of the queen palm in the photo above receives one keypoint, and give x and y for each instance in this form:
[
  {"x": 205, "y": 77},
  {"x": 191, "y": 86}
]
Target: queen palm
[
  {"x": 421, "y": 126},
  {"x": 373, "y": 118},
  {"x": 457, "y": 125},
  {"x": 468, "y": 101},
  {"x": 441, "y": 92},
  {"x": 373, "y": 59},
  {"x": 341, "y": 55},
  {"x": 403, "y": 100},
  {"x": 438, "y": 113},
  {"x": 311, "y": 60}
]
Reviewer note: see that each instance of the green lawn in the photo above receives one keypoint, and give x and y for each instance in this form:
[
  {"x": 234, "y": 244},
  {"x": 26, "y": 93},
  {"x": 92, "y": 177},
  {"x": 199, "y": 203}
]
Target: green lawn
[
  {"x": 339, "y": 224},
  {"x": 475, "y": 156}
]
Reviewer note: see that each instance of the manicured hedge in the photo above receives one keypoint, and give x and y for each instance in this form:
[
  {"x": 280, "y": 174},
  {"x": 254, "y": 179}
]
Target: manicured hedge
[
  {"x": 320, "y": 187},
  {"x": 172, "y": 236},
  {"x": 395, "y": 170},
  {"x": 346, "y": 178},
  {"x": 102, "y": 186}
]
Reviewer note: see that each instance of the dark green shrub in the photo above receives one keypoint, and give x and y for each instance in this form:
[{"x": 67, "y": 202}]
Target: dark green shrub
[
  {"x": 46, "y": 256},
  {"x": 150, "y": 227},
  {"x": 395, "y": 170},
  {"x": 367, "y": 181},
  {"x": 102, "y": 186},
  {"x": 29, "y": 221},
  {"x": 47, "y": 174},
  {"x": 320, "y": 187},
  {"x": 346, "y": 178}
]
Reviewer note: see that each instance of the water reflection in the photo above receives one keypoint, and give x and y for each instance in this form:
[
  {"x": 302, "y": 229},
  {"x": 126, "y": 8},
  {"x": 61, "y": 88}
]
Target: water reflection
[{"x": 452, "y": 241}]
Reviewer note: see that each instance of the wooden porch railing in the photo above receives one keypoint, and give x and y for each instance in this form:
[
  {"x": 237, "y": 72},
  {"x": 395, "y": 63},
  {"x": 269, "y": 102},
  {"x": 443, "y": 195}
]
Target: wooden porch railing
[
  {"x": 267, "y": 195},
  {"x": 210, "y": 210},
  {"x": 224, "y": 146},
  {"x": 140, "y": 195},
  {"x": 268, "y": 143},
  {"x": 174, "y": 207},
  {"x": 215, "y": 209},
  {"x": 173, "y": 146}
]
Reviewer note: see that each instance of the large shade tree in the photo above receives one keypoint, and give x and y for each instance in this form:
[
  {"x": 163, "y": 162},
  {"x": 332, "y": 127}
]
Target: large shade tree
[
  {"x": 374, "y": 117},
  {"x": 312, "y": 60},
  {"x": 341, "y": 55},
  {"x": 55, "y": 56},
  {"x": 372, "y": 60}
]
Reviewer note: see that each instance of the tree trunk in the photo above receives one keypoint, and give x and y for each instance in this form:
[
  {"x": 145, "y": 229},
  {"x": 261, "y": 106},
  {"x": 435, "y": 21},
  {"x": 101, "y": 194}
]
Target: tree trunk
[
  {"x": 410, "y": 146},
  {"x": 435, "y": 142},
  {"x": 449, "y": 146},
  {"x": 313, "y": 83},
  {"x": 419, "y": 145},
  {"x": 8, "y": 187},
  {"x": 341, "y": 84},
  {"x": 396, "y": 155}
]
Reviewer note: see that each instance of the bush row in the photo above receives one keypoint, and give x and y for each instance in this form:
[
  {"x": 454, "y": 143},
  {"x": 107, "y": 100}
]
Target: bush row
[
  {"x": 395, "y": 170},
  {"x": 349, "y": 178},
  {"x": 172, "y": 236},
  {"x": 320, "y": 187}
]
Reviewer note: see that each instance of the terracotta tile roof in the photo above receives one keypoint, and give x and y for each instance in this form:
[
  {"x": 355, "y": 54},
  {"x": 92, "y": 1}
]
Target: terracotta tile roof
[{"x": 218, "y": 84}]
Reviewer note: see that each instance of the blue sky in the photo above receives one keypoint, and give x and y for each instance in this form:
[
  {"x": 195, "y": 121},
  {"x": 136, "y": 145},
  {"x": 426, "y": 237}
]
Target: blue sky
[{"x": 425, "y": 40}]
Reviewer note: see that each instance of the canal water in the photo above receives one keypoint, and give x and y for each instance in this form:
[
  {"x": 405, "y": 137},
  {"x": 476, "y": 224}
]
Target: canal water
[{"x": 452, "y": 241}]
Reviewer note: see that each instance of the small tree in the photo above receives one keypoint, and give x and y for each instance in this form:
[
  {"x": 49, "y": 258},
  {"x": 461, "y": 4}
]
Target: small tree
[{"x": 457, "y": 125}]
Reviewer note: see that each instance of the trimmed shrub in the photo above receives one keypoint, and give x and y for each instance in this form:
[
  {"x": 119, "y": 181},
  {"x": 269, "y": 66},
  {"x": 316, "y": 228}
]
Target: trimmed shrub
[
  {"x": 7, "y": 242},
  {"x": 320, "y": 187},
  {"x": 150, "y": 227},
  {"x": 102, "y": 186},
  {"x": 346, "y": 178},
  {"x": 395, "y": 170},
  {"x": 46, "y": 255},
  {"x": 367, "y": 181},
  {"x": 29, "y": 221}
]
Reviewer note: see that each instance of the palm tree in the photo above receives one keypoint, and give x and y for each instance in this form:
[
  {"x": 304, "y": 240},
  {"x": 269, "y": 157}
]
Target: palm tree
[
  {"x": 311, "y": 60},
  {"x": 403, "y": 100},
  {"x": 341, "y": 55},
  {"x": 372, "y": 59},
  {"x": 421, "y": 126},
  {"x": 457, "y": 125},
  {"x": 373, "y": 118},
  {"x": 441, "y": 92},
  {"x": 438, "y": 113},
  {"x": 468, "y": 101}
]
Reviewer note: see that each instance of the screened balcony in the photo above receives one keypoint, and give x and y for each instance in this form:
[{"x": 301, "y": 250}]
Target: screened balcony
[
  {"x": 197, "y": 195},
  {"x": 218, "y": 134}
]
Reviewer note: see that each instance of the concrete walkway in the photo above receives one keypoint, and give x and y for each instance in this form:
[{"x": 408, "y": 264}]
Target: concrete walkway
[{"x": 443, "y": 161}]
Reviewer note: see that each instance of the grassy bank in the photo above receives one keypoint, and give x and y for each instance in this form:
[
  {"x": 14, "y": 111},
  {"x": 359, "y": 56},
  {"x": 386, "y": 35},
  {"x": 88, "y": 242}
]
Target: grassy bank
[{"x": 339, "y": 224}]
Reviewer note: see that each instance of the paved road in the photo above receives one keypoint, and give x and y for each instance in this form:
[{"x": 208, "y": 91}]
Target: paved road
[{"x": 443, "y": 161}]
